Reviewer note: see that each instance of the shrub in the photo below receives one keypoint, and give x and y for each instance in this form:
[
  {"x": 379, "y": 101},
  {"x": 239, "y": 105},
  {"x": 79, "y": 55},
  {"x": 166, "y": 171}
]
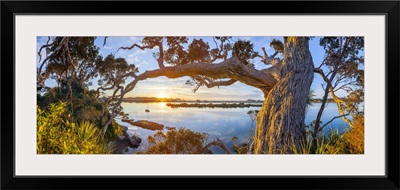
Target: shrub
[
  {"x": 354, "y": 138},
  {"x": 114, "y": 130},
  {"x": 56, "y": 134},
  {"x": 181, "y": 141}
]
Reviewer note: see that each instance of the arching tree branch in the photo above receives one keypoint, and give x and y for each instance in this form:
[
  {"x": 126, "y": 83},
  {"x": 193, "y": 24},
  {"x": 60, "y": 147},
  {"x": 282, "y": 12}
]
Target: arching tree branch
[
  {"x": 216, "y": 142},
  {"x": 339, "y": 116},
  {"x": 230, "y": 68}
]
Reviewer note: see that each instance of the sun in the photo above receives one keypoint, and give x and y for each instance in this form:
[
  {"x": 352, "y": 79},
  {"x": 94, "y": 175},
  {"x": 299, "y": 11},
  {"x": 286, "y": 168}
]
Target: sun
[{"x": 162, "y": 95}]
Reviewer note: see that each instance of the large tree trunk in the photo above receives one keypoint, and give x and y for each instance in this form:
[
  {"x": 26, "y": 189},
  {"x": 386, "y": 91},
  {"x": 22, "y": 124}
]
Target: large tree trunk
[{"x": 280, "y": 122}]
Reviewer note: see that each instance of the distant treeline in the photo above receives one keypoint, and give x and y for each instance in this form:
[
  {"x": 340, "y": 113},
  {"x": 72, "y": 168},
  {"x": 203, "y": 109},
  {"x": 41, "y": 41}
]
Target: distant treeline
[
  {"x": 211, "y": 105},
  {"x": 151, "y": 99},
  {"x": 155, "y": 99}
]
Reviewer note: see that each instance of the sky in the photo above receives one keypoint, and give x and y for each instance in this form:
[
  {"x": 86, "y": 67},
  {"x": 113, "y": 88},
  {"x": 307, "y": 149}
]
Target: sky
[{"x": 163, "y": 87}]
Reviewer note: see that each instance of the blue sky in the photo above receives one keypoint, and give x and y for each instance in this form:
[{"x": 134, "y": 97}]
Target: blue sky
[{"x": 176, "y": 88}]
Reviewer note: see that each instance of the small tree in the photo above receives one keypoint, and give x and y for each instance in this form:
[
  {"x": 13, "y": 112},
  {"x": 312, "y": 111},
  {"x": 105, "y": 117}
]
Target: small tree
[{"x": 343, "y": 60}]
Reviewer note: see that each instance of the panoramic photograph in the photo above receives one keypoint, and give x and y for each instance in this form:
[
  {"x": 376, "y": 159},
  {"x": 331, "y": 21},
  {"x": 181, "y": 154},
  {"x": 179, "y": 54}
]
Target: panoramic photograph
[{"x": 200, "y": 95}]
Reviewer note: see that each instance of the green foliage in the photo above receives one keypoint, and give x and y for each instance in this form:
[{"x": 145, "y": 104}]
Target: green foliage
[
  {"x": 56, "y": 134},
  {"x": 346, "y": 60},
  {"x": 199, "y": 51},
  {"x": 112, "y": 70},
  {"x": 354, "y": 99},
  {"x": 243, "y": 50},
  {"x": 113, "y": 132},
  {"x": 176, "y": 54},
  {"x": 181, "y": 141},
  {"x": 277, "y": 45},
  {"x": 86, "y": 107},
  {"x": 73, "y": 60},
  {"x": 153, "y": 41}
]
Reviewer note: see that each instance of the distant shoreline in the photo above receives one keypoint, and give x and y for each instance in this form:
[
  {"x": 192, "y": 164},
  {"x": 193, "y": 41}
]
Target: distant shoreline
[
  {"x": 155, "y": 100},
  {"x": 170, "y": 100},
  {"x": 211, "y": 105}
]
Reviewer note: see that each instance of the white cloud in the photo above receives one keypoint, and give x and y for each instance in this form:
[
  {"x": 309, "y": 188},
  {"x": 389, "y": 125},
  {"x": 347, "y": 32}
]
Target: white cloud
[
  {"x": 215, "y": 133},
  {"x": 136, "y": 53},
  {"x": 134, "y": 39},
  {"x": 107, "y": 47}
]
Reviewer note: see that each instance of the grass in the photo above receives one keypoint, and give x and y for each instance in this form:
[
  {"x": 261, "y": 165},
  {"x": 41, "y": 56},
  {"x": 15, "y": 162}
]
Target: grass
[{"x": 334, "y": 142}]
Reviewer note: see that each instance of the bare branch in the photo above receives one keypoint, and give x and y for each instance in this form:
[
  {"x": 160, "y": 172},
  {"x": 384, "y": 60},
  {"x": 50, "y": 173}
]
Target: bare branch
[
  {"x": 336, "y": 117},
  {"x": 269, "y": 60},
  {"x": 265, "y": 52},
  {"x": 273, "y": 55},
  {"x": 346, "y": 86},
  {"x": 221, "y": 53},
  {"x": 160, "y": 60},
  {"x": 59, "y": 47},
  {"x": 136, "y": 45},
  {"x": 105, "y": 88},
  {"x": 105, "y": 41},
  {"x": 221, "y": 83},
  {"x": 44, "y": 46},
  {"x": 216, "y": 44},
  {"x": 215, "y": 142},
  {"x": 211, "y": 84},
  {"x": 323, "y": 62},
  {"x": 48, "y": 40},
  {"x": 320, "y": 72}
]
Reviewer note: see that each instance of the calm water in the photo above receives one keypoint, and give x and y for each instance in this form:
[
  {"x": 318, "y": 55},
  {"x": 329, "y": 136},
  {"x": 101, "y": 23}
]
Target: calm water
[{"x": 223, "y": 123}]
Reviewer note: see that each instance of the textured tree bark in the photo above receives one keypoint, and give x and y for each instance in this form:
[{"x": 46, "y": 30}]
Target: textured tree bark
[{"x": 280, "y": 122}]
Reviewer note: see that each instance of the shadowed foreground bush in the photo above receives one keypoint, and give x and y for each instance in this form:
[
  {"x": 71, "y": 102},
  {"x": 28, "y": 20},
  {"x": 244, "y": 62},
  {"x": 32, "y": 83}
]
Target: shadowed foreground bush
[{"x": 57, "y": 135}]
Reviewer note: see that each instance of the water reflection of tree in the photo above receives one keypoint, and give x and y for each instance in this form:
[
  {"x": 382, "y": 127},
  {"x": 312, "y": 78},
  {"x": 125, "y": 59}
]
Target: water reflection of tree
[{"x": 246, "y": 148}]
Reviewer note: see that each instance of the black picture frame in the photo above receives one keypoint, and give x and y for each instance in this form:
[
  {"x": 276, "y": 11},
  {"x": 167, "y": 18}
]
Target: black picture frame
[{"x": 389, "y": 8}]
